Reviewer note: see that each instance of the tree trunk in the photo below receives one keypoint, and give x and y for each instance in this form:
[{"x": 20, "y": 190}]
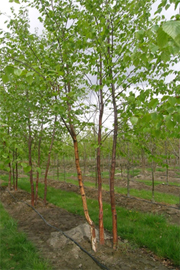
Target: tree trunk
[
  {"x": 113, "y": 158},
  {"x": 83, "y": 196},
  {"x": 38, "y": 164},
  {"x": 152, "y": 170},
  {"x": 112, "y": 173},
  {"x": 57, "y": 162},
  {"x": 179, "y": 169},
  {"x": 128, "y": 180},
  {"x": 30, "y": 154},
  {"x": 64, "y": 167},
  {"x": 13, "y": 171},
  {"x": 143, "y": 161},
  {"x": 128, "y": 169},
  {"x": 85, "y": 159},
  {"x": 167, "y": 171},
  {"x": 71, "y": 131},
  {"x": 16, "y": 183},
  {"x": 31, "y": 171},
  {"x": 101, "y": 110},
  {"x": 48, "y": 162},
  {"x": 9, "y": 182}
]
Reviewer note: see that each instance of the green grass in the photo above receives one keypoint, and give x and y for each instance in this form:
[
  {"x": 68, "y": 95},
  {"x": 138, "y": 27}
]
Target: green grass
[
  {"x": 104, "y": 174},
  {"x": 156, "y": 183},
  {"x": 16, "y": 252},
  {"x": 142, "y": 229},
  {"x": 162, "y": 169},
  {"x": 143, "y": 194},
  {"x": 134, "y": 172}
]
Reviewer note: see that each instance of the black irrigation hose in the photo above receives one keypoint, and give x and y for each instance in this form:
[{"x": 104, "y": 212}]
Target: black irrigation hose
[{"x": 102, "y": 266}]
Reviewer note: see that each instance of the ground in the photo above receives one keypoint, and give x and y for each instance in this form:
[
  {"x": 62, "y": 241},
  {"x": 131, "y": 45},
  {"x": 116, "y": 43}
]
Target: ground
[
  {"x": 65, "y": 255},
  {"x": 172, "y": 212}
]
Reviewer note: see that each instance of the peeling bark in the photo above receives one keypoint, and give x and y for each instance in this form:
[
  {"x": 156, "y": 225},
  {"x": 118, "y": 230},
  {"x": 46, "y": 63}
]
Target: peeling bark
[
  {"x": 71, "y": 130},
  {"x": 101, "y": 110}
]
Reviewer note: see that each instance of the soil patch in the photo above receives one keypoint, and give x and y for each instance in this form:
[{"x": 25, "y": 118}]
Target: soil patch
[{"x": 66, "y": 255}]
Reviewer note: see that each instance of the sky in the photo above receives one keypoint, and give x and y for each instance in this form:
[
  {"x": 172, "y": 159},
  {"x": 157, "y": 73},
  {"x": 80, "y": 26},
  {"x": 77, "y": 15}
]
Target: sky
[
  {"x": 33, "y": 14},
  {"x": 34, "y": 22}
]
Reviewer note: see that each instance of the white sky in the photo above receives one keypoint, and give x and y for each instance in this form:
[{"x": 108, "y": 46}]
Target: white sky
[
  {"x": 33, "y": 14},
  {"x": 34, "y": 22}
]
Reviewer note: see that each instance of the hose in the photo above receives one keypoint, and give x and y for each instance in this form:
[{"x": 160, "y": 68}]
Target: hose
[{"x": 102, "y": 266}]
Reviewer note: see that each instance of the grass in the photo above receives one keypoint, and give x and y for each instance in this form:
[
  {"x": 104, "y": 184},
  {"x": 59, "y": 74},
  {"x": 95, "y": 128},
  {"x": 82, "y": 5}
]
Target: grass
[
  {"x": 105, "y": 174},
  {"x": 16, "y": 252},
  {"x": 142, "y": 194},
  {"x": 142, "y": 229},
  {"x": 163, "y": 169},
  {"x": 156, "y": 183},
  {"x": 134, "y": 172}
]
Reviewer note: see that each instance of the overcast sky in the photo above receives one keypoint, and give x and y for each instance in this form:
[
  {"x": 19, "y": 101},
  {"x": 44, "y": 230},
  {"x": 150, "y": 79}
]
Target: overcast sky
[
  {"x": 34, "y": 22},
  {"x": 33, "y": 14}
]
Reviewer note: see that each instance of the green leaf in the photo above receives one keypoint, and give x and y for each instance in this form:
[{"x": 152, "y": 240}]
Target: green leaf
[
  {"x": 27, "y": 169},
  {"x": 162, "y": 38},
  {"x": 18, "y": 72},
  {"x": 29, "y": 79},
  {"x": 170, "y": 124},
  {"x": 165, "y": 56},
  {"x": 9, "y": 70},
  {"x": 154, "y": 116},
  {"x": 29, "y": 73},
  {"x": 153, "y": 48},
  {"x": 172, "y": 100},
  {"x": 5, "y": 78},
  {"x": 172, "y": 28},
  {"x": 139, "y": 34},
  {"x": 177, "y": 3},
  {"x": 38, "y": 170},
  {"x": 153, "y": 103},
  {"x": 133, "y": 120},
  {"x": 24, "y": 165},
  {"x": 15, "y": 1}
]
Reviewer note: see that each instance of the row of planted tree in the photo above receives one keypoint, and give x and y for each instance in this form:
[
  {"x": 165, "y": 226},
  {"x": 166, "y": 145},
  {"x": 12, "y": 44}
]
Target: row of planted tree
[
  {"x": 130, "y": 157},
  {"x": 93, "y": 80}
]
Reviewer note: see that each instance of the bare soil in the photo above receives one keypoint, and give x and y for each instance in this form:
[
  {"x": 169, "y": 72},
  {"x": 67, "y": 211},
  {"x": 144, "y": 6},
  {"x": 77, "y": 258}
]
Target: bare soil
[{"x": 69, "y": 256}]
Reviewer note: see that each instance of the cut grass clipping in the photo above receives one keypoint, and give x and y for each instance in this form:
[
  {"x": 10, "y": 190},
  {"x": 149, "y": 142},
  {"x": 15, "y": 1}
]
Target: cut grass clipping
[
  {"x": 143, "y": 229},
  {"x": 16, "y": 252}
]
